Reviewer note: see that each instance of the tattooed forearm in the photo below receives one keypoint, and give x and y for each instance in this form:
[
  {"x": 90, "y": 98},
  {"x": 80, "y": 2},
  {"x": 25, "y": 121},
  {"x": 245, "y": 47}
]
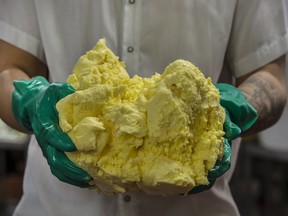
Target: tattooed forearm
[{"x": 268, "y": 96}]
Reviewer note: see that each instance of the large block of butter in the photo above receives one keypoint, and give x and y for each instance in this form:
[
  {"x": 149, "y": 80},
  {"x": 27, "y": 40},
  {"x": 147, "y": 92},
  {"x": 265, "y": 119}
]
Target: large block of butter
[{"x": 160, "y": 135}]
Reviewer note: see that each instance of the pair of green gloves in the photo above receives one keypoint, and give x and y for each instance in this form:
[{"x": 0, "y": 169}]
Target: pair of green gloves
[{"x": 34, "y": 106}]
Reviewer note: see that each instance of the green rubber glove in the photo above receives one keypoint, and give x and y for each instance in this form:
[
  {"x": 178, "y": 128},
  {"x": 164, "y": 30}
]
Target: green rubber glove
[
  {"x": 240, "y": 116},
  {"x": 34, "y": 106}
]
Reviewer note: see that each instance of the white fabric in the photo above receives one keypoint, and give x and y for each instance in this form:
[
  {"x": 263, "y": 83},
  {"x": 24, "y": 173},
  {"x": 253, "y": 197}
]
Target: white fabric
[{"x": 250, "y": 33}]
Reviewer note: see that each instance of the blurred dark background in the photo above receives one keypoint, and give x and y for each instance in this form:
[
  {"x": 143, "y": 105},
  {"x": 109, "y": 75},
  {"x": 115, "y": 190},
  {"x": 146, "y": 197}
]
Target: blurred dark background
[
  {"x": 259, "y": 183},
  {"x": 13, "y": 147}
]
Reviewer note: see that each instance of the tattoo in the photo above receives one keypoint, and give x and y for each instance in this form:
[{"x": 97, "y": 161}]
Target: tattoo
[{"x": 266, "y": 96}]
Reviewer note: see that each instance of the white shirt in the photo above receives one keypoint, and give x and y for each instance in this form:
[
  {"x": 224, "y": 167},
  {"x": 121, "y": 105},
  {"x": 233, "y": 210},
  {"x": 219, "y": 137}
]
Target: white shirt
[{"x": 147, "y": 35}]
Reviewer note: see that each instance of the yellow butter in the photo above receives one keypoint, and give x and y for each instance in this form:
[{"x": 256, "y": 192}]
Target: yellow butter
[{"x": 160, "y": 135}]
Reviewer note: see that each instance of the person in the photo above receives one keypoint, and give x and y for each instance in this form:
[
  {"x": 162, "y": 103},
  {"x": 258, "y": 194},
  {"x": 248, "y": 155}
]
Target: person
[{"x": 237, "y": 42}]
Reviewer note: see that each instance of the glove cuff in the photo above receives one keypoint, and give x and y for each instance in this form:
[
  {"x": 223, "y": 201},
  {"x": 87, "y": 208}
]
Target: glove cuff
[
  {"x": 242, "y": 113},
  {"x": 24, "y": 95}
]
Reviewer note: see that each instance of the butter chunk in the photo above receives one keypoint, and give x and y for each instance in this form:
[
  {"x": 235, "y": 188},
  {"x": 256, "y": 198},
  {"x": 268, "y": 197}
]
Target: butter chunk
[
  {"x": 89, "y": 134},
  {"x": 160, "y": 135}
]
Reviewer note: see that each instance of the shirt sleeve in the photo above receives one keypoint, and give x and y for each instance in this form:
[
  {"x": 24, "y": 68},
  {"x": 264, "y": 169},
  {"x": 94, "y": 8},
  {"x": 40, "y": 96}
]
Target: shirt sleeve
[
  {"x": 258, "y": 35},
  {"x": 19, "y": 26}
]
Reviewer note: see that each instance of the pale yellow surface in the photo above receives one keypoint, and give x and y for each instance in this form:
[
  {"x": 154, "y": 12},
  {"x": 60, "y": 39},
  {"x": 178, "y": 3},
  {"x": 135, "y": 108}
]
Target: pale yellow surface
[{"x": 160, "y": 135}]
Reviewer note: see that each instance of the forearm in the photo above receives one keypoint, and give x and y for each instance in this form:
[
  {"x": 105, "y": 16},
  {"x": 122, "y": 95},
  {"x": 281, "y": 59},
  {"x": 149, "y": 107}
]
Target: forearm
[
  {"x": 15, "y": 64},
  {"x": 7, "y": 77},
  {"x": 265, "y": 89}
]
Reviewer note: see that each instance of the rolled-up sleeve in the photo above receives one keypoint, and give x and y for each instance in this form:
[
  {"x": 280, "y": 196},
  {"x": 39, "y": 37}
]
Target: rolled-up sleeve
[
  {"x": 19, "y": 26},
  {"x": 258, "y": 36}
]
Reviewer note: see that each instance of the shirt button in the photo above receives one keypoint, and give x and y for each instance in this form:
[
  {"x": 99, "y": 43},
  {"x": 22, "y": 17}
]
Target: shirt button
[
  {"x": 127, "y": 198},
  {"x": 131, "y": 1},
  {"x": 130, "y": 49}
]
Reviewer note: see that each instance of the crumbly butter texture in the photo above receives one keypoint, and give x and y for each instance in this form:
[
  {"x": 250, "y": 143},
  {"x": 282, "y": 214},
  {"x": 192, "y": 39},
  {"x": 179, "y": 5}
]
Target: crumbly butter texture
[{"x": 160, "y": 135}]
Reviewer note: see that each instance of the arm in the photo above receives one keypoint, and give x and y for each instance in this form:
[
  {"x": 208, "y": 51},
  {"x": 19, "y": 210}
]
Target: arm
[
  {"x": 15, "y": 64},
  {"x": 265, "y": 89},
  {"x": 33, "y": 103}
]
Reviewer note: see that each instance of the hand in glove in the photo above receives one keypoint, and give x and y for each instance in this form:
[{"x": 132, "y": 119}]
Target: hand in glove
[
  {"x": 240, "y": 116},
  {"x": 33, "y": 104}
]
